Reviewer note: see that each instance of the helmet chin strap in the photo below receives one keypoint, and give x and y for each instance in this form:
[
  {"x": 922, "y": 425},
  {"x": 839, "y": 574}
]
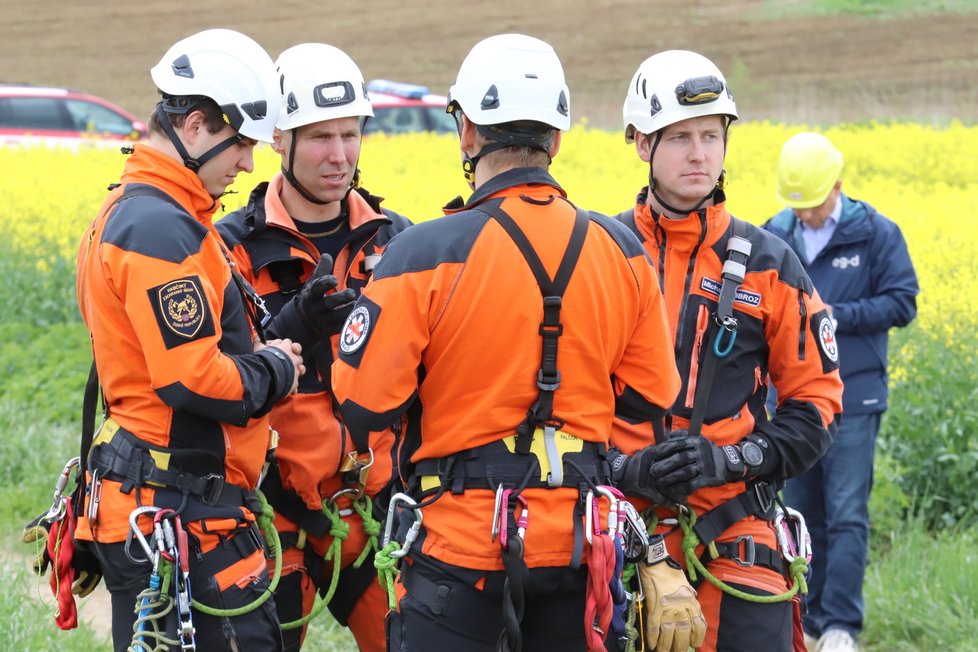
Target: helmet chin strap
[{"x": 192, "y": 163}]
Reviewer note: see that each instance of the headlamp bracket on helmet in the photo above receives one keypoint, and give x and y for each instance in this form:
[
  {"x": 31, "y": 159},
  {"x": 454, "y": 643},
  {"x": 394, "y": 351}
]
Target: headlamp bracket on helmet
[
  {"x": 333, "y": 98},
  {"x": 699, "y": 90}
]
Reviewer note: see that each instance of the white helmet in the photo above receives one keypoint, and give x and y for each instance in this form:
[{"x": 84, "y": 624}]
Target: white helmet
[
  {"x": 511, "y": 77},
  {"x": 319, "y": 82},
  {"x": 672, "y": 86},
  {"x": 229, "y": 68}
]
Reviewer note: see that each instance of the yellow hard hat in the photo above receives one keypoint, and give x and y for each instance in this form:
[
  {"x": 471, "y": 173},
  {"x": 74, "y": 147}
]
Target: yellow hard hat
[{"x": 807, "y": 170}]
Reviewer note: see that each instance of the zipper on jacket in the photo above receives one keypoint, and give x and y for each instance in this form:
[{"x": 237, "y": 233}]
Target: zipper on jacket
[
  {"x": 702, "y": 321},
  {"x": 803, "y": 313},
  {"x": 757, "y": 378}
]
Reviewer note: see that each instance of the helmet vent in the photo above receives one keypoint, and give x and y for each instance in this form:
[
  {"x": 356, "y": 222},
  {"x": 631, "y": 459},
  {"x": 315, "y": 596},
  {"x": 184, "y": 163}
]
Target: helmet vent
[
  {"x": 291, "y": 105},
  {"x": 182, "y": 68},
  {"x": 655, "y": 104},
  {"x": 562, "y": 107},
  {"x": 530, "y": 75},
  {"x": 491, "y": 99},
  {"x": 255, "y": 110}
]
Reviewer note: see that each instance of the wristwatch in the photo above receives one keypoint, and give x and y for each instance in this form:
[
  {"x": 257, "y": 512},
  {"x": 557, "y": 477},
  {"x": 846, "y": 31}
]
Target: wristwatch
[{"x": 753, "y": 456}]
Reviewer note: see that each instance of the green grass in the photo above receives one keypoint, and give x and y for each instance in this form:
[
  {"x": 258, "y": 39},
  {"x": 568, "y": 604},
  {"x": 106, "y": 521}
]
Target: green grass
[
  {"x": 27, "y": 616},
  {"x": 778, "y": 9},
  {"x": 922, "y": 593}
]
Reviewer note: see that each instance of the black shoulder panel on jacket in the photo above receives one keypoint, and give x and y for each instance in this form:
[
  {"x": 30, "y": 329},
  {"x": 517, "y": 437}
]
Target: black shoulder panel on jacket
[
  {"x": 153, "y": 227},
  {"x": 232, "y": 228},
  {"x": 622, "y": 235},
  {"x": 768, "y": 251},
  {"x": 429, "y": 244}
]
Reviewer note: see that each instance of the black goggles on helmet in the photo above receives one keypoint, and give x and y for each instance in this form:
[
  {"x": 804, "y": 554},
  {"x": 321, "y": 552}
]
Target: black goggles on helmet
[{"x": 699, "y": 90}]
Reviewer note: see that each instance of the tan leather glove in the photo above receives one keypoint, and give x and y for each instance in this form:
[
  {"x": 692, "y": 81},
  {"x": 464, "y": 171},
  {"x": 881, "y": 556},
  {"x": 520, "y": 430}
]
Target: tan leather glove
[{"x": 674, "y": 621}]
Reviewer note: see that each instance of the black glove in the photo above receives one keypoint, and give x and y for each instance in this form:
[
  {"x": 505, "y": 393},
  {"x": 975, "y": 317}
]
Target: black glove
[
  {"x": 323, "y": 313},
  {"x": 630, "y": 474},
  {"x": 684, "y": 463},
  {"x": 88, "y": 572}
]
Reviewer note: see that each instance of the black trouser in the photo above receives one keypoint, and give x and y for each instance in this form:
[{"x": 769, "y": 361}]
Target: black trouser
[
  {"x": 256, "y": 630},
  {"x": 443, "y": 609}
]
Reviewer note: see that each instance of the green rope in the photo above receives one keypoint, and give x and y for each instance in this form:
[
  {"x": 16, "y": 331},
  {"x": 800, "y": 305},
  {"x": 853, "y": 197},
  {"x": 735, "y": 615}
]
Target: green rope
[
  {"x": 266, "y": 523},
  {"x": 797, "y": 569},
  {"x": 629, "y": 573},
  {"x": 340, "y": 531},
  {"x": 371, "y": 527},
  {"x": 386, "y": 566},
  {"x": 159, "y": 605}
]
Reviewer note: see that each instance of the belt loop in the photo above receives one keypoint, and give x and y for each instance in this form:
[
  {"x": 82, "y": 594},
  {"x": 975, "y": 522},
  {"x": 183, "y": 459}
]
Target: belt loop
[{"x": 134, "y": 474}]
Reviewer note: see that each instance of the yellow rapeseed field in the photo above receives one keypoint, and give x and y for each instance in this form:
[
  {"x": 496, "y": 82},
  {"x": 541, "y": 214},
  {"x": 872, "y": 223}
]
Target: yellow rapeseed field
[{"x": 923, "y": 177}]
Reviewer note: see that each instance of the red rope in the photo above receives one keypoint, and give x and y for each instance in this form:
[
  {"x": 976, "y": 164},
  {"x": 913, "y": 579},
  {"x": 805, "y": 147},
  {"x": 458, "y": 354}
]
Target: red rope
[
  {"x": 598, "y": 606},
  {"x": 61, "y": 549}
]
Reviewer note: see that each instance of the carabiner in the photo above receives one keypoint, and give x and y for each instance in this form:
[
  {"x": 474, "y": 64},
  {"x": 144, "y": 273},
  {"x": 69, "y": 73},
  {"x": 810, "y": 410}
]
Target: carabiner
[
  {"x": 727, "y": 325},
  {"x": 793, "y": 538},
  {"x": 135, "y": 531},
  {"x": 501, "y": 516},
  {"x": 58, "y": 509},
  {"x": 593, "y": 515},
  {"x": 412, "y": 534}
]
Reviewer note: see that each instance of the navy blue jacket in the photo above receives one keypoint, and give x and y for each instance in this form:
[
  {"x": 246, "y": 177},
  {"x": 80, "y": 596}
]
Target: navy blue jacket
[{"x": 865, "y": 274}]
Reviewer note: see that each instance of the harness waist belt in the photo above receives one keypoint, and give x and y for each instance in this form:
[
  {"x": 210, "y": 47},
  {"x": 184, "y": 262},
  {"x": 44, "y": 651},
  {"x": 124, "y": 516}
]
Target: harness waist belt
[
  {"x": 757, "y": 501},
  {"x": 491, "y": 465},
  {"x": 126, "y": 459}
]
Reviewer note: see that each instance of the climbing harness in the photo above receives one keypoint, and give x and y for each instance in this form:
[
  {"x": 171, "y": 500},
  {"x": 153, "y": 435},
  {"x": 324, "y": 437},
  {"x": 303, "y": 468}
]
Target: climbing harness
[{"x": 745, "y": 552}]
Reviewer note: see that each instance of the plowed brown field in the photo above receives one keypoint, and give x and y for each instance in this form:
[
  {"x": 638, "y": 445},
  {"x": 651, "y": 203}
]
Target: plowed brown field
[{"x": 781, "y": 66}]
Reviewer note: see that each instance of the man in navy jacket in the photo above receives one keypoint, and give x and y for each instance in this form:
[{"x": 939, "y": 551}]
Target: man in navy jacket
[{"x": 859, "y": 263}]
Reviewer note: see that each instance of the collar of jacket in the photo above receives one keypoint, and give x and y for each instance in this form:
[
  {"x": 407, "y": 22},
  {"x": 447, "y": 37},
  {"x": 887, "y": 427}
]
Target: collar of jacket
[
  {"x": 504, "y": 181},
  {"x": 700, "y": 228},
  {"x": 268, "y": 197},
  {"x": 853, "y": 224},
  {"x": 153, "y": 167}
]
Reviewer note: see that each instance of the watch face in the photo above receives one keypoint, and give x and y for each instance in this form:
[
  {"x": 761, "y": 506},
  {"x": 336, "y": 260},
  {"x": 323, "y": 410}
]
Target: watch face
[{"x": 753, "y": 455}]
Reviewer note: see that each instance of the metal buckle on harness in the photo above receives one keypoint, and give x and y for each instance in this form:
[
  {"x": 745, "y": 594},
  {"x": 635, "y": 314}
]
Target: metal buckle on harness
[
  {"x": 355, "y": 471},
  {"x": 412, "y": 534},
  {"x": 750, "y": 553},
  {"x": 213, "y": 486},
  {"x": 764, "y": 499}
]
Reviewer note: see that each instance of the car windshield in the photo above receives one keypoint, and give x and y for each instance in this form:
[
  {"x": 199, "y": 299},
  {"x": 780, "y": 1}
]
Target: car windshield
[
  {"x": 404, "y": 119},
  {"x": 94, "y": 118}
]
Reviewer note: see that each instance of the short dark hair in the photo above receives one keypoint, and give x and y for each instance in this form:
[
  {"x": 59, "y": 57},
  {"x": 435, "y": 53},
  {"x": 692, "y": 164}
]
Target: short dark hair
[{"x": 213, "y": 115}]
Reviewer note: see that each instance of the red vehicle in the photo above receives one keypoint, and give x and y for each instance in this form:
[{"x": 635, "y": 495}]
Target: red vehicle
[
  {"x": 53, "y": 116},
  {"x": 401, "y": 108}
]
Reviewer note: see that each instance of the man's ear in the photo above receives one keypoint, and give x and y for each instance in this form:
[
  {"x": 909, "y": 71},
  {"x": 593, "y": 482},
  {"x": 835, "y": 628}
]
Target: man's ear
[
  {"x": 555, "y": 145},
  {"x": 643, "y": 145},
  {"x": 192, "y": 126},
  {"x": 466, "y": 137},
  {"x": 278, "y": 141}
]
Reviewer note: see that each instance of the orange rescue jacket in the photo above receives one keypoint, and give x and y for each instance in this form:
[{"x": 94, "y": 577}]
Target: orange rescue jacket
[
  {"x": 172, "y": 342},
  {"x": 449, "y": 325}
]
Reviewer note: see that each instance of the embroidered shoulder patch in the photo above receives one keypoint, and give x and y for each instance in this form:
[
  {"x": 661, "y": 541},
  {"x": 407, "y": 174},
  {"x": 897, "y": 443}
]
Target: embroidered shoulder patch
[
  {"x": 355, "y": 330},
  {"x": 182, "y": 312},
  {"x": 824, "y": 333}
]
